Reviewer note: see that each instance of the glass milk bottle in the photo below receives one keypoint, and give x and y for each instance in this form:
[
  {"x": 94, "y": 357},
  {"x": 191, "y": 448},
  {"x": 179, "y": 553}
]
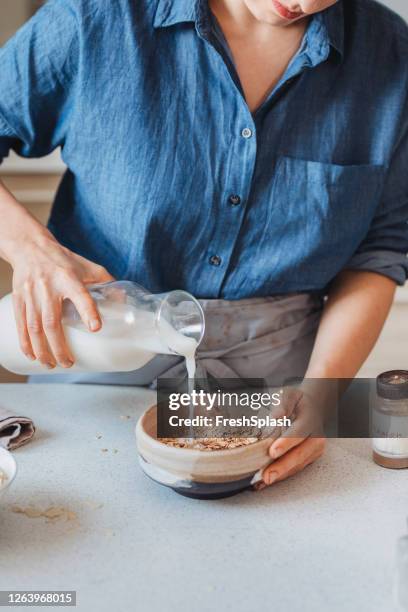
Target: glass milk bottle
[
  {"x": 390, "y": 420},
  {"x": 136, "y": 326}
]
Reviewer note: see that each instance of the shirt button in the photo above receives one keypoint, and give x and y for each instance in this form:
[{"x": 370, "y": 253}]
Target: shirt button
[
  {"x": 246, "y": 133},
  {"x": 215, "y": 260},
  {"x": 234, "y": 200}
]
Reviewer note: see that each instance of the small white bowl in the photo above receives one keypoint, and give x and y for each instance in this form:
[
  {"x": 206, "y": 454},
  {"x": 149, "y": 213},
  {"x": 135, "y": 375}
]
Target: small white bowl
[{"x": 9, "y": 467}]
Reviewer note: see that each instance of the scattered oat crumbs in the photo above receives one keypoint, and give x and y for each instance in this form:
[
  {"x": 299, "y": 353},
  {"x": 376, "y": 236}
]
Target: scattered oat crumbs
[
  {"x": 29, "y": 512},
  {"x": 109, "y": 532},
  {"x": 104, "y": 450},
  {"x": 125, "y": 417},
  {"x": 99, "y": 436},
  {"x": 115, "y": 450},
  {"x": 52, "y": 513}
]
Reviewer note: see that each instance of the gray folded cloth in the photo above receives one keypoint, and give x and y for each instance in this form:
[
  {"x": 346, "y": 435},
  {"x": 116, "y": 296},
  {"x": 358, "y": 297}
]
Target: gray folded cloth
[{"x": 14, "y": 430}]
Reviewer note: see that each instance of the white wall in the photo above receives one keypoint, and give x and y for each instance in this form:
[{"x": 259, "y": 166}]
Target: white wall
[
  {"x": 12, "y": 14},
  {"x": 400, "y": 6}
]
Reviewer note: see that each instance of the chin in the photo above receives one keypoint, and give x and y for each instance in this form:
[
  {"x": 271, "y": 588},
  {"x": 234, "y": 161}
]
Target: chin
[
  {"x": 273, "y": 19},
  {"x": 279, "y": 9},
  {"x": 270, "y": 14}
]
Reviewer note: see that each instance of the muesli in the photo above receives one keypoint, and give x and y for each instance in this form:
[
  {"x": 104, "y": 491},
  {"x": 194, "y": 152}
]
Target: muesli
[{"x": 208, "y": 444}]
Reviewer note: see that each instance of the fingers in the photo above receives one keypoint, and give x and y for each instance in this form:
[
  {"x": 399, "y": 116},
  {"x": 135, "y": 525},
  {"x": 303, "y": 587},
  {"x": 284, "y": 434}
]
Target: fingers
[
  {"x": 290, "y": 398},
  {"x": 294, "y": 460},
  {"x": 283, "y": 445},
  {"x": 306, "y": 421},
  {"x": 52, "y": 326},
  {"x": 259, "y": 486},
  {"x": 301, "y": 428},
  {"x": 36, "y": 333},
  {"x": 53, "y": 274},
  {"x": 85, "y": 305},
  {"x": 21, "y": 323},
  {"x": 38, "y": 316}
]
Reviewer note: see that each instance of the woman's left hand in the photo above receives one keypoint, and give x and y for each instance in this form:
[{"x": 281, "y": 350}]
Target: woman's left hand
[
  {"x": 291, "y": 456},
  {"x": 299, "y": 446}
]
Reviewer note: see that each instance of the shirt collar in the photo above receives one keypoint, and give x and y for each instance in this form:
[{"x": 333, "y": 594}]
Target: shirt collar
[
  {"x": 333, "y": 18},
  {"x": 170, "y": 13}
]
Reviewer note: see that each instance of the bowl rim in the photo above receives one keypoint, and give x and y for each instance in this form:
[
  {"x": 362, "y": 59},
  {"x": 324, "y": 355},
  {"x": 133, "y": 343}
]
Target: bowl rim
[
  {"x": 5, "y": 453},
  {"x": 193, "y": 452}
]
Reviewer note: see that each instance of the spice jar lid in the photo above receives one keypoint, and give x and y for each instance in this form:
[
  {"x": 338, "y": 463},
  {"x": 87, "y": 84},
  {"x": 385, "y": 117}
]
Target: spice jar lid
[{"x": 393, "y": 385}]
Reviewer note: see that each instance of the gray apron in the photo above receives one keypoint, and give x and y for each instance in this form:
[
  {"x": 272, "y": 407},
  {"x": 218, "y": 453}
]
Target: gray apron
[{"x": 270, "y": 338}]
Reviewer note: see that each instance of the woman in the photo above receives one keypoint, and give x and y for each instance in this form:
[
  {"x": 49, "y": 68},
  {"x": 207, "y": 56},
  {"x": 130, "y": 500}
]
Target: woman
[{"x": 252, "y": 152}]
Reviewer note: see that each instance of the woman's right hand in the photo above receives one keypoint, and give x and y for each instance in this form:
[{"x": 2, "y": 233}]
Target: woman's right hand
[{"x": 46, "y": 273}]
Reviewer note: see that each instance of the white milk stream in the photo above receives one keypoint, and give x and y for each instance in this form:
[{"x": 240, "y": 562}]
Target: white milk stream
[{"x": 128, "y": 340}]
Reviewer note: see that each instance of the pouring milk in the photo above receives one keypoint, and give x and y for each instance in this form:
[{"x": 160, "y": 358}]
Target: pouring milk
[{"x": 130, "y": 337}]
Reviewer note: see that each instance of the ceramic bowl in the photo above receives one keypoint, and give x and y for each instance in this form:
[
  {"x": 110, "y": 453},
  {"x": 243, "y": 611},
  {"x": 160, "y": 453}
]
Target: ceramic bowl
[
  {"x": 9, "y": 467},
  {"x": 195, "y": 473}
]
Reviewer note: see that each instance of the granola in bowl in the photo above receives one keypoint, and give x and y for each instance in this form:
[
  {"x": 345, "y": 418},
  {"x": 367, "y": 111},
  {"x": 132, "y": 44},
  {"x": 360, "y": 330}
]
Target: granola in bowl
[{"x": 208, "y": 444}]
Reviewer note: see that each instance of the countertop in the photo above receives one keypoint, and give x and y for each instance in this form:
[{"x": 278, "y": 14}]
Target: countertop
[{"x": 323, "y": 540}]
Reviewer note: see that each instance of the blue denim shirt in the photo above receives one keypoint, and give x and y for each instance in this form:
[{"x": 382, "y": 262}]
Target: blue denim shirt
[{"x": 173, "y": 183}]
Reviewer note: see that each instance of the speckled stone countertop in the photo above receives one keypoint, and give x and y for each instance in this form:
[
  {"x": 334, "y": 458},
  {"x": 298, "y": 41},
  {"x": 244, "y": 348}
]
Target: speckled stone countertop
[{"x": 324, "y": 540}]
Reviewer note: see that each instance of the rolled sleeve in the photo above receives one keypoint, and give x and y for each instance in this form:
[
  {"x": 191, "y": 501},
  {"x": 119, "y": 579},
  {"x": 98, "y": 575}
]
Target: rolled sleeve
[
  {"x": 385, "y": 248},
  {"x": 36, "y": 75},
  {"x": 388, "y": 263},
  {"x": 6, "y": 139}
]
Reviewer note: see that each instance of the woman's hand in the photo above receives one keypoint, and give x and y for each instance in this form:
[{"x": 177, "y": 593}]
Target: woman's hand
[
  {"x": 300, "y": 445},
  {"x": 291, "y": 455},
  {"x": 46, "y": 273}
]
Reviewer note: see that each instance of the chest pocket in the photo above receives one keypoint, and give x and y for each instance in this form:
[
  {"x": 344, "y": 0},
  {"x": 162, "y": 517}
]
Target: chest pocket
[{"x": 323, "y": 212}]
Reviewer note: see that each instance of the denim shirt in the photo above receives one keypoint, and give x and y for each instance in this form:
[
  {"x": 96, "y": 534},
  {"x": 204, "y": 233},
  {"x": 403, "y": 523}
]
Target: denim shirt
[{"x": 173, "y": 183}]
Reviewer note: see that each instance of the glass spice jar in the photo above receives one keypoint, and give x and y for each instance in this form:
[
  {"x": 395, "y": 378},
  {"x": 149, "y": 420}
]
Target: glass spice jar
[{"x": 389, "y": 425}]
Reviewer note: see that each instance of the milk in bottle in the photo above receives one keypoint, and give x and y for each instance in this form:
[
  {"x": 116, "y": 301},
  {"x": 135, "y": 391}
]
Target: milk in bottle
[{"x": 136, "y": 326}]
